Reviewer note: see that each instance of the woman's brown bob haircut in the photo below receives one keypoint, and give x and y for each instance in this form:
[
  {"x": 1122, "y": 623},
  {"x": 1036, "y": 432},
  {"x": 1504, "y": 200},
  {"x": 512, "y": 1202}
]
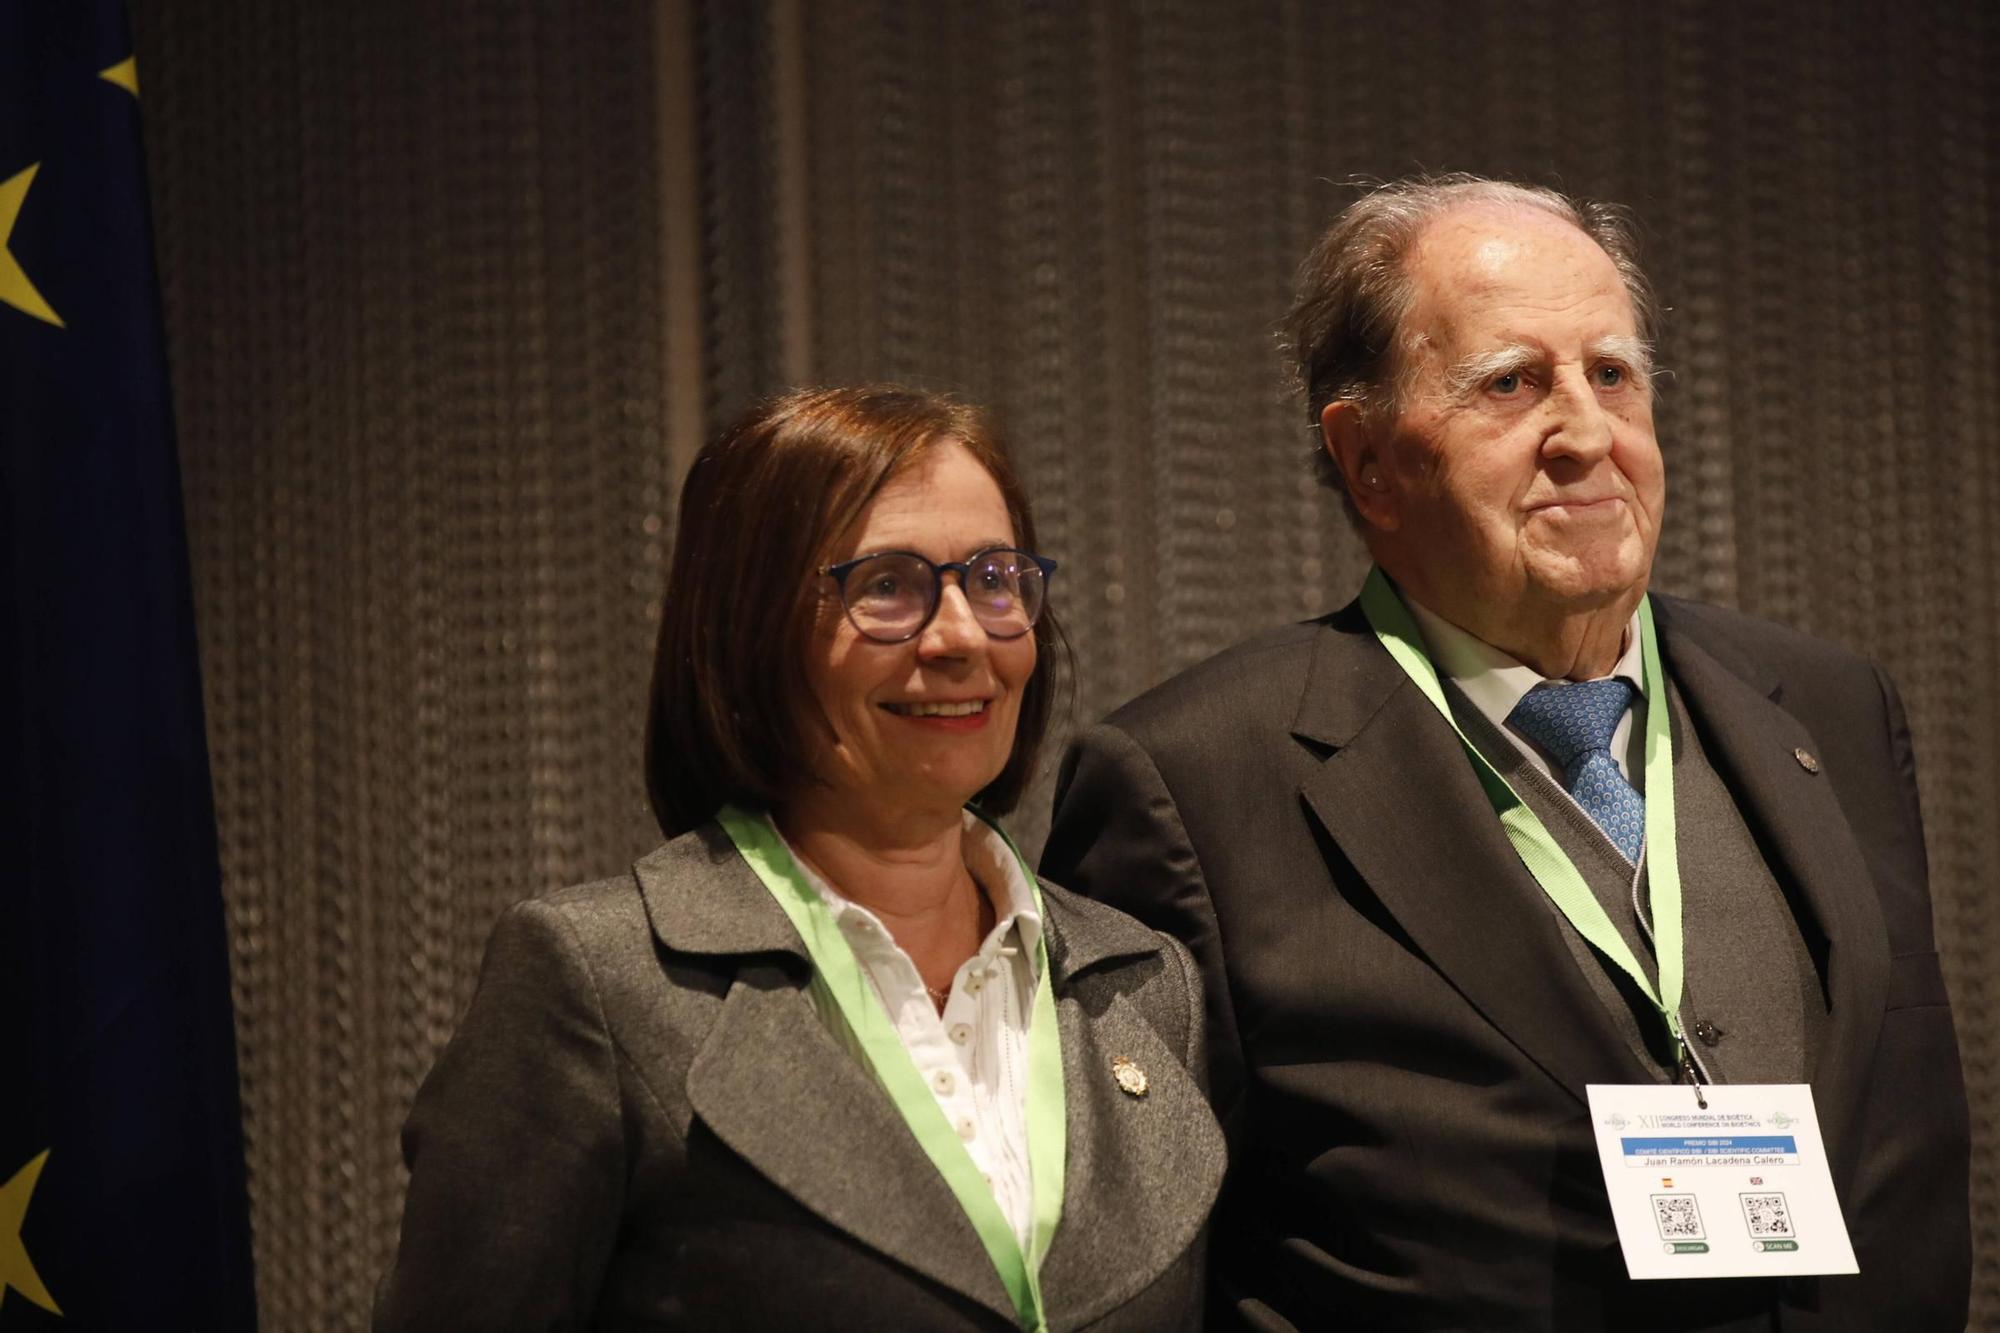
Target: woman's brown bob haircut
[{"x": 760, "y": 512}]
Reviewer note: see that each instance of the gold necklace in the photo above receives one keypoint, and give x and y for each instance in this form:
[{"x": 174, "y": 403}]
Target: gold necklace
[{"x": 940, "y": 998}]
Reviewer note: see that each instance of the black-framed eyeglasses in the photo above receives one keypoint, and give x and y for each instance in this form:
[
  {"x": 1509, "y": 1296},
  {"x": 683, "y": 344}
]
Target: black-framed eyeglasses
[{"x": 891, "y": 595}]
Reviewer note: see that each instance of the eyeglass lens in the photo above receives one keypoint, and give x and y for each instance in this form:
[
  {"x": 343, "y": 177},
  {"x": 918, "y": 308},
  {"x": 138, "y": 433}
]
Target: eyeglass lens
[{"x": 892, "y": 596}]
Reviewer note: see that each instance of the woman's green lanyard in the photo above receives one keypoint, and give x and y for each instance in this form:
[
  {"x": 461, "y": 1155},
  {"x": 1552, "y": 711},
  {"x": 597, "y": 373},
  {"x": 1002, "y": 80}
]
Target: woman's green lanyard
[
  {"x": 833, "y": 958},
  {"x": 1546, "y": 861}
]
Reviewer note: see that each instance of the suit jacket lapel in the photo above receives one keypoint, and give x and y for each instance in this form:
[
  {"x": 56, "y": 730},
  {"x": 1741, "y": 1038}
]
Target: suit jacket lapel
[
  {"x": 1140, "y": 1171},
  {"x": 775, "y": 1086},
  {"x": 1752, "y": 742},
  {"x": 1398, "y": 799}
]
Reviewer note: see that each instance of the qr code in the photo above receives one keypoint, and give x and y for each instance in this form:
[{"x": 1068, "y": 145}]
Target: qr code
[
  {"x": 1678, "y": 1217},
  {"x": 1767, "y": 1214}
]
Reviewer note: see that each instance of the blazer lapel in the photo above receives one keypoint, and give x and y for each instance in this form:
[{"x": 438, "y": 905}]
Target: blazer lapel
[
  {"x": 781, "y": 1092},
  {"x": 1399, "y": 800},
  {"x": 774, "y": 1085},
  {"x": 1752, "y": 742},
  {"x": 1140, "y": 1171}
]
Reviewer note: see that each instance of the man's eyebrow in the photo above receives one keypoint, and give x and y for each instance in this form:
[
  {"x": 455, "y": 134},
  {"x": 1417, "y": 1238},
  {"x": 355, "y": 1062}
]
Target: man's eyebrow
[
  {"x": 1472, "y": 371},
  {"x": 1482, "y": 368},
  {"x": 1635, "y": 353}
]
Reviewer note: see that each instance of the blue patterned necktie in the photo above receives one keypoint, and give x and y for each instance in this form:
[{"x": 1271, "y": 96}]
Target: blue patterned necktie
[{"x": 1573, "y": 722}]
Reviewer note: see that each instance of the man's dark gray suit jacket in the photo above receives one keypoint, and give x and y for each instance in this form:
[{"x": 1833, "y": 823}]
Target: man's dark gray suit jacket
[
  {"x": 1400, "y": 1038},
  {"x": 643, "y": 1123}
]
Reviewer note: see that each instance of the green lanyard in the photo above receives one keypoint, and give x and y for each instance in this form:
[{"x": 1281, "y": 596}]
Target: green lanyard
[
  {"x": 840, "y": 973},
  {"x": 1546, "y": 861}
]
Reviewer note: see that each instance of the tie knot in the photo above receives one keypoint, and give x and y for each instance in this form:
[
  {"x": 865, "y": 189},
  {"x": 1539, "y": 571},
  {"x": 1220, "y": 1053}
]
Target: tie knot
[{"x": 1572, "y": 719}]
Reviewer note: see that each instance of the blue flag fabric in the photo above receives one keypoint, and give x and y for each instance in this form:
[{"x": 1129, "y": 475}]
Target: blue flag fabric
[{"x": 122, "y": 1200}]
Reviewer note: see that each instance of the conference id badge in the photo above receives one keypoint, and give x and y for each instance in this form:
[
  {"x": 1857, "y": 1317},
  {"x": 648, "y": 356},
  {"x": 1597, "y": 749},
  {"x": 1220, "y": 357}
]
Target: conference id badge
[{"x": 1737, "y": 1188}]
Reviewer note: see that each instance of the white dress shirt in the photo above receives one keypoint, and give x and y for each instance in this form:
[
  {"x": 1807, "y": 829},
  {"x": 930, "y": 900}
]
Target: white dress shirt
[
  {"x": 973, "y": 1057},
  {"x": 1495, "y": 682}
]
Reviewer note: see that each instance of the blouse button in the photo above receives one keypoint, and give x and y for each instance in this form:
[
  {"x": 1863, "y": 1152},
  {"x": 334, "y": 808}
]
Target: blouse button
[
  {"x": 966, "y": 1129},
  {"x": 961, "y": 1033},
  {"x": 943, "y": 1082}
]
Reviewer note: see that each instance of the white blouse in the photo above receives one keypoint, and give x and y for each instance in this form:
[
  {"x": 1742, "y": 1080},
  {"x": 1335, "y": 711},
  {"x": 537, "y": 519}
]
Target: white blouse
[{"x": 974, "y": 1056}]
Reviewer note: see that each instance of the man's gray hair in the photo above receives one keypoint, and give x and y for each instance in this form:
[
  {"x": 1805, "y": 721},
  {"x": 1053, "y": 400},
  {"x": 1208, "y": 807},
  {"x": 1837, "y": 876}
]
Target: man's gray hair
[{"x": 1345, "y": 333}]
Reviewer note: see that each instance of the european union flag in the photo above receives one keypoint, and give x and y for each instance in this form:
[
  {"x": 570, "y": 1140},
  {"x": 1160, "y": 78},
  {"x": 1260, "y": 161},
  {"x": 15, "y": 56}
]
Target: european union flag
[{"x": 122, "y": 1200}]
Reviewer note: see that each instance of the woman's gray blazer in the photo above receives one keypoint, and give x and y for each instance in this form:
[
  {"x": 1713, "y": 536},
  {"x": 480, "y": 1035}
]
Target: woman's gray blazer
[{"x": 642, "y": 1123}]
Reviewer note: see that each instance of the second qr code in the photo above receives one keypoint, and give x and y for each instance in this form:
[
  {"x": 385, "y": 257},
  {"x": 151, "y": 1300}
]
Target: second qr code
[{"x": 1767, "y": 1215}]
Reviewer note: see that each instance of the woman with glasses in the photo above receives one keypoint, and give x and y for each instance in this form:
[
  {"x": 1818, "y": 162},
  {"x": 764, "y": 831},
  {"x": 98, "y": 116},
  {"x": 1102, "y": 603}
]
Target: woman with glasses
[{"x": 832, "y": 1057}]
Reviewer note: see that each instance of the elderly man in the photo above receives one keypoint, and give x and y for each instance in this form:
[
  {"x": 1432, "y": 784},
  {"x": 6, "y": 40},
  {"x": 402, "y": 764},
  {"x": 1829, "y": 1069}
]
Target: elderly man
[{"x": 1406, "y": 1003}]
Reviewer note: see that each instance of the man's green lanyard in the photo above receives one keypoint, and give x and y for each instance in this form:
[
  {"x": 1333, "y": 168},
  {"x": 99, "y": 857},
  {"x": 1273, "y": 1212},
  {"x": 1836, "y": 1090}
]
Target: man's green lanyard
[
  {"x": 833, "y": 959},
  {"x": 1546, "y": 861}
]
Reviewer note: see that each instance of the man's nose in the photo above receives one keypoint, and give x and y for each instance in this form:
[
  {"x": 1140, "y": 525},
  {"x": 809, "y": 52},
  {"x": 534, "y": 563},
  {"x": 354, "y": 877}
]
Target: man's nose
[
  {"x": 954, "y": 631},
  {"x": 1580, "y": 426}
]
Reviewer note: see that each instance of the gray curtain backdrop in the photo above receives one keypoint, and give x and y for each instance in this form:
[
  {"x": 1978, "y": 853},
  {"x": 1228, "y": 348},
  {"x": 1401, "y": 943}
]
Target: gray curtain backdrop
[{"x": 455, "y": 289}]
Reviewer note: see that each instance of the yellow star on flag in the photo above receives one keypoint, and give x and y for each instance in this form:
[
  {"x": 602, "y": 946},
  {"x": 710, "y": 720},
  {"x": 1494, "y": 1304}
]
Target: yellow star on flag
[
  {"x": 16, "y": 1270},
  {"x": 15, "y": 289},
  {"x": 125, "y": 74}
]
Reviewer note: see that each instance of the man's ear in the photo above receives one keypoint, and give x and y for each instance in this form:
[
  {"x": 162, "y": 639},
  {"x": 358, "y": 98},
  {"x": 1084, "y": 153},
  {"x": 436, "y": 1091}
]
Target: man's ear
[{"x": 1350, "y": 441}]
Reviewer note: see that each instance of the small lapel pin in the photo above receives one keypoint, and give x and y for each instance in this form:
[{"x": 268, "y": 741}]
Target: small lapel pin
[
  {"x": 1131, "y": 1078},
  {"x": 1806, "y": 760}
]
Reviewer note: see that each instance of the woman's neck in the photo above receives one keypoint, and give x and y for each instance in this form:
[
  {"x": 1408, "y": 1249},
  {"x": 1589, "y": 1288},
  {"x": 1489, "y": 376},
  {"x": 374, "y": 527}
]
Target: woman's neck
[{"x": 910, "y": 873}]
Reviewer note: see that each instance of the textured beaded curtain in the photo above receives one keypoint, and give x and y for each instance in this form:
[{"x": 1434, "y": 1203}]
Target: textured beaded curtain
[
  {"x": 411, "y": 258},
  {"x": 454, "y": 289}
]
